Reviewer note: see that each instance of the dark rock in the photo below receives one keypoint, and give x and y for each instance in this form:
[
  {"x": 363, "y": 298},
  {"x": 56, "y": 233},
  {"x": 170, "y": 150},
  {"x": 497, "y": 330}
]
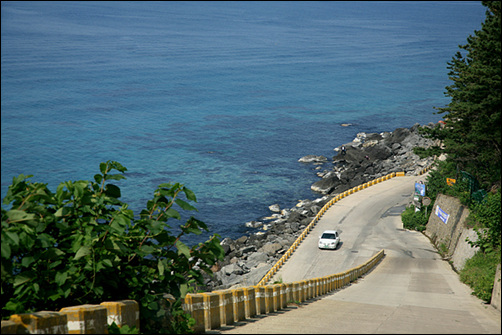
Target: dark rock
[{"x": 326, "y": 185}]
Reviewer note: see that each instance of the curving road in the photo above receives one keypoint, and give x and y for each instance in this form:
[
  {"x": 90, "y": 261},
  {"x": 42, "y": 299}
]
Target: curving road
[{"x": 411, "y": 291}]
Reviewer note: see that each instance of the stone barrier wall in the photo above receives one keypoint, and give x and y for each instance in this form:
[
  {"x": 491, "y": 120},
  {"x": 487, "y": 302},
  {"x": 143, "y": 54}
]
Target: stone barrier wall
[
  {"x": 82, "y": 319},
  {"x": 221, "y": 308}
]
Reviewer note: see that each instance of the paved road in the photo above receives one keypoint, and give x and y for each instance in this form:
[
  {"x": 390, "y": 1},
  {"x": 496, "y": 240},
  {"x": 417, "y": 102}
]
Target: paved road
[{"x": 411, "y": 291}]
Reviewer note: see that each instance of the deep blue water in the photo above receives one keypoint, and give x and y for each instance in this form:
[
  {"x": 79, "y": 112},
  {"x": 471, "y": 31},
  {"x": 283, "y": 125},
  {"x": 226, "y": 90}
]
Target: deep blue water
[{"x": 224, "y": 97}]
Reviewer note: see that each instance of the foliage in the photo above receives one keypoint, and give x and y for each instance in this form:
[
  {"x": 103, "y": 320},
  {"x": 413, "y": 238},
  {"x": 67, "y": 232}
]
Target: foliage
[
  {"x": 436, "y": 183},
  {"x": 414, "y": 220},
  {"x": 471, "y": 134},
  {"x": 83, "y": 245},
  {"x": 479, "y": 274},
  {"x": 125, "y": 329},
  {"x": 488, "y": 224}
]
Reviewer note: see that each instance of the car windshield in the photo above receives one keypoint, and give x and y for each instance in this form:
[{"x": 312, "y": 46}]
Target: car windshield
[{"x": 328, "y": 236}]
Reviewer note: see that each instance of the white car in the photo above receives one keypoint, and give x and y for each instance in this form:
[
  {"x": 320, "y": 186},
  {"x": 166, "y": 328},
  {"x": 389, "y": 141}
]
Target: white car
[{"x": 329, "y": 239}]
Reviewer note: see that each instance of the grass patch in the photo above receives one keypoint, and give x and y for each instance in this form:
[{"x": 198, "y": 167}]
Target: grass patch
[{"x": 479, "y": 274}]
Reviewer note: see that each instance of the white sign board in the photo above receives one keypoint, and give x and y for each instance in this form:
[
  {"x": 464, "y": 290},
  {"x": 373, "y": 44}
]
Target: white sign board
[{"x": 442, "y": 214}]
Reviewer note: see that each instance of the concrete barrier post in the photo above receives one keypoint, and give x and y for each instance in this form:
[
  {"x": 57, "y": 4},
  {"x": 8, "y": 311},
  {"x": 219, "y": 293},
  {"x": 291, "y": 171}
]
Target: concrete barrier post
[
  {"x": 239, "y": 307},
  {"x": 212, "y": 310},
  {"x": 289, "y": 292},
  {"x": 321, "y": 286},
  {"x": 269, "y": 299},
  {"x": 341, "y": 280},
  {"x": 305, "y": 290},
  {"x": 124, "y": 312},
  {"x": 329, "y": 283},
  {"x": 250, "y": 301},
  {"x": 44, "y": 322},
  {"x": 283, "y": 296},
  {"x": 315, "y": 288},
  {"x": 309, "y": 288},
  {"x": 11, "y": 327},
  {"x": 86, "y": 319},
  {"x": 276, "y": 289},
  {"x": 226, "y": 307},
  {"x": 194, "y": 304},
  {"x": 297, "y": 291},
  {"x": 260, "y": 300}
]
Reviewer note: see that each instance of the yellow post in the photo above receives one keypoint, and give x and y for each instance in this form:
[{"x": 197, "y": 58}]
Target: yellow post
[
  {"x": 44, "y": 322},
  {"x": 250, "y": 301},
  {"x": 124, "y": 312},
  {"x": 239, "y": 308},
  {"x": 86, "y": 319},
  {"x": 269, "y": 298},
  {"x": 261, "y": 307},
  {"x": 226, "y": 307},
  {"x": 195, "y": 306},
  {"x": 212, "y": 310}
]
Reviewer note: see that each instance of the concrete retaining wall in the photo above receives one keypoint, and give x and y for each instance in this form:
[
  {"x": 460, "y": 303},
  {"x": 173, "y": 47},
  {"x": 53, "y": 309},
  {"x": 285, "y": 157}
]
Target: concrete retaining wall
[
  {"x": 496, "y": 300},
  {"x": 450, "y": 237},
  {"x": 446, "y": 235}
]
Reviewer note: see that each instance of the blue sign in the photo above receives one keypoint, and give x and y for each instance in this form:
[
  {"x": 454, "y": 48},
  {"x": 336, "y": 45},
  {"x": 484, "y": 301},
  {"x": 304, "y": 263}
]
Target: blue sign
[
  {"x": 442, "y": 214},
  {"x": 420, "y": 189}
]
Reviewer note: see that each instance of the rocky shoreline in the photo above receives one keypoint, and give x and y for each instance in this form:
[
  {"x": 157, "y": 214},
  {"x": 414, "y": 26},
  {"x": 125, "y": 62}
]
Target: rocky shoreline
[{"x": 367, "y": 157}]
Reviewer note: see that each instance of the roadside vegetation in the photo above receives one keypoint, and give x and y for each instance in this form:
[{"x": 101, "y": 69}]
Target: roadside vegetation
[
  {"x": 82, "y": 245},
  {"x": 470, "y": 136}
]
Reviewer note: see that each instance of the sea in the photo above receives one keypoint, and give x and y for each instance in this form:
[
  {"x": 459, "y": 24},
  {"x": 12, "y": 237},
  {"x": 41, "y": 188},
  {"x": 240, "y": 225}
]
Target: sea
[{"x": 222, "y": 97}]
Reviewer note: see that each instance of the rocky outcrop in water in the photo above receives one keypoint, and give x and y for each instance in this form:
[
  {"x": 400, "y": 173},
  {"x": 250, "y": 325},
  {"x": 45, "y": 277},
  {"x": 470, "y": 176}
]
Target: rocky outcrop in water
[
  {"x": 367, "y": 157},
  {"x": 370, "y": 156}
]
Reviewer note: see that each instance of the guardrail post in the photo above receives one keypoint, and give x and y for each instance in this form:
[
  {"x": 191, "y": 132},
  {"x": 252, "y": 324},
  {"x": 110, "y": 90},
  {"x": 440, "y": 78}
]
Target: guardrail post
[
  {"x": 276, "y": 289},
  {"x": 269, "y": 299},
  {"x": 194, "y": 304},
  {"x": 250, "y": 301},
  {"x": 261, "y": 307},
  {"x": 304, "y": 290},
  {"x": 226, "y": 307},
  {"x": 283, "y": 296},
  {"x": 289, "y": 293},
  {"x": 296, "y": 292},
  {"x": 45, "y": 322},
  {"x": 322, "y": 286},
  {"x": 309, "y": 288},
  {"x": 124, "y": 312},
  {"x": 212, "y": 310},
  {"x": 86, "y": 319},
  {"x": 239, "y": 308}
]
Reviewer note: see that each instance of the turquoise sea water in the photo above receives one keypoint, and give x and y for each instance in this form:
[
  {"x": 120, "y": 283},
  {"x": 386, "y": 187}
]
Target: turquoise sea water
[{"x": 224, "y": 97}]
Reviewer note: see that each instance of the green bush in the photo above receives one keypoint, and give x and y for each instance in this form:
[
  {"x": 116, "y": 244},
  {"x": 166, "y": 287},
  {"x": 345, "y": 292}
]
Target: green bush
[
  {"x": 479, "y": 274},
  {"x": 82, "y": 245},
  {"x": 414, "y": 220},
  {"x": 488, "y": 224}
]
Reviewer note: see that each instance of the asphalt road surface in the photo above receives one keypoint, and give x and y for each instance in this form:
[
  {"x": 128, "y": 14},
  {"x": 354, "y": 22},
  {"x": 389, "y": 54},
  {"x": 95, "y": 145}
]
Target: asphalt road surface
[{"x": 411, "y": 291}]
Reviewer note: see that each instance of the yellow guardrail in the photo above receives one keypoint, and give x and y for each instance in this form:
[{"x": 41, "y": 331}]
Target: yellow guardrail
[
  {"x": 226, "y": 307},
  {"x": 268, "y": 276},
  {"x": 82, "y": 319}
]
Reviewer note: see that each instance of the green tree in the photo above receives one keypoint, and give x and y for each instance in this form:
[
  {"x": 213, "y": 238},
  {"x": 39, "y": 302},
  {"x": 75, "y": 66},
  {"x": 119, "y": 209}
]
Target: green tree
[
  {"x": 471, "y": 135},
  {"x": 488, "y": 225},
  {"x": 83, "y": 245}
]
